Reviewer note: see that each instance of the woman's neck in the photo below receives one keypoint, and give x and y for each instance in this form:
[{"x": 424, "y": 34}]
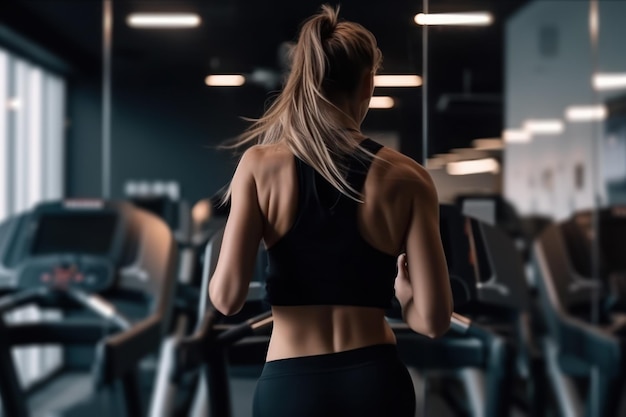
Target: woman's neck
[{"x": 349, "y": 114}]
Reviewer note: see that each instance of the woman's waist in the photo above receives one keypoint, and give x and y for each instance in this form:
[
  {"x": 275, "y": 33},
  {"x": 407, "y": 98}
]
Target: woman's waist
[
  {"x": 381, "y": 355},
  {"x": 317, "y": 330}
]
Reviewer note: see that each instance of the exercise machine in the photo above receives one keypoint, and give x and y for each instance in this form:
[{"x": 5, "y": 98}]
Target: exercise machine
[
  {"x": 580, "y": 266},
  {"x": 110, "y": 268}
]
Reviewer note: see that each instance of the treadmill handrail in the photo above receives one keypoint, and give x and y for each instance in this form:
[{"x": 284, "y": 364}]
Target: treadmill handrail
[
  {"x": 62, "y": 333},
  {"x": 191, "y": 351},
  {"x": 462, "y": 325},
  {"x": 101, "y": 307},
  {"x": 12, "y": 301},
  {"x": 244, "y": 329},
  {"x": 120, "y": 353},
  {"x": 608, "y": 352}
]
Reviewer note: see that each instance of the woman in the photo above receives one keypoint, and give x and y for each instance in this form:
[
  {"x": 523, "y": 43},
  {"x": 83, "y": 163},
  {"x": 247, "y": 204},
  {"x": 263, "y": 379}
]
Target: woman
[{"x": 335, "y": 211}]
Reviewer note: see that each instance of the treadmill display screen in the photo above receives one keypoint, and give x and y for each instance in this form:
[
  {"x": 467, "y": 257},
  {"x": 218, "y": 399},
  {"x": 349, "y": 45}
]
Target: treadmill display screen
[{"x": 84, "y": 233}]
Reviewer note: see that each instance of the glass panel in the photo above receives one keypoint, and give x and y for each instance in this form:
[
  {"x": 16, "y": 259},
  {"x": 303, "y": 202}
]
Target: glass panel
[
  {"x": 31, "y": 170},
  {"x": 4, "y": 138}
]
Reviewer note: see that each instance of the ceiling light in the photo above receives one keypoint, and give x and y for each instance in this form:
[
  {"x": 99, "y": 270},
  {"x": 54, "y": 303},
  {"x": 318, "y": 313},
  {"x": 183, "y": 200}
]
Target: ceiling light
[
  {"x": 163, "y": 20},
  {"x": 586, "y": 113},
  {"x": 226, "y": 80},
  {"x": 397, "y": 80},
  {"x": 476, "y": 166},
  {"x": 435, "y": 163},
  {"x": 448, "y": 157},
  {"x": 488, "y": 144},
  {"x": 470, "y": 153},
  {"x": 466, "y": 19},
  {"x": 516, "y": 136},
  {"x": 544, "y": 126},
  {"x": 609, "y": 81},
  {"x": 381, "y": 102}
]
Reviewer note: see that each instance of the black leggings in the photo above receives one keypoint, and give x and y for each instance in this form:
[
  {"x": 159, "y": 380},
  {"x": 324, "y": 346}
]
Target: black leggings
[{"x": 370, "y": 381}]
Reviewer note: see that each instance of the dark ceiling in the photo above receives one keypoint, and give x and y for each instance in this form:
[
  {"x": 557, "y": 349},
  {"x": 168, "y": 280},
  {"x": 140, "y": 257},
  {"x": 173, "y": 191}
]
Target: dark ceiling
[{"x": 245, "y": 35}]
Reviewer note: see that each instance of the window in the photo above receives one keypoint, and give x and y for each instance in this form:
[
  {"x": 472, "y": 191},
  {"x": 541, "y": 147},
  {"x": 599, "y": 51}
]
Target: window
[{"x": 32, "y": 114}]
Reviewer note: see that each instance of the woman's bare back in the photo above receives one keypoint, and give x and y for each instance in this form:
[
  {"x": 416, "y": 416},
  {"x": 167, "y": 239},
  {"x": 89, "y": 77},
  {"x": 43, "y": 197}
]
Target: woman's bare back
[
  {"x": 400, "y": 213},
  {"x": 383, "y": 220}
]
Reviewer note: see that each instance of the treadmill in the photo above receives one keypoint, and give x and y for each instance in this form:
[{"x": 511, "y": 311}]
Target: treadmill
[
  {"x": 583, "y": 298},
  {"x": 488, "y": 287},
  {"x": 109, "y": 267},
  {"x": 504, "y": 303},
  {"x": 216, "y": 342},
  {"x": 177, "y": 215},
  {"x": 192, "y": 230}
]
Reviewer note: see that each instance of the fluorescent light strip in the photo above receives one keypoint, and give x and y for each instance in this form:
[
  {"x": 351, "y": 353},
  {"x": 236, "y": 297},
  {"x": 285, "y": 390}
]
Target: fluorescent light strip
[
  {"x": 544, "y": 126},
  {"x": 516, "y": 136},
  {"x": 609, "y": 81},
  {"x": 488, "y": 144},
  {"x": 4, "y": 138},
  {"x": 58, "y": 143},
  {"x": 435, "y": 163},
  {"x": 381, "y": 102},
  {"x": 225, "y": 80},
  {"x": 586, "y": 113},
  {"x": 20, "y": 139},
  {"x": 54, "y": 111},
  {"x": 469, "y": 154},
  {"x": 397, "y": 80},
  {"x": 34, "y": 160},
  {"x": 453, "y": 19},
  {"x": 163, "y": 20},
  {"x": 476, "y": 166}
]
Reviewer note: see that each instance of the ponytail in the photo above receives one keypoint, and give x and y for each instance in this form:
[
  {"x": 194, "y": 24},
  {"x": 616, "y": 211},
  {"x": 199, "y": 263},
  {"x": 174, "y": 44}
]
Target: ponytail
[{"x": 328, "y": 59}]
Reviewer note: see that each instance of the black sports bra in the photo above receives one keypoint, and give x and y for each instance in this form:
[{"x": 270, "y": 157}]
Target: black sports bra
[{"x": 323, "y": 260}]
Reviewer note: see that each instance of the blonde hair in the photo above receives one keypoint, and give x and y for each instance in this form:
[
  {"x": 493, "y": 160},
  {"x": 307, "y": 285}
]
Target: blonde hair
[{"x": 328, "y": 60}]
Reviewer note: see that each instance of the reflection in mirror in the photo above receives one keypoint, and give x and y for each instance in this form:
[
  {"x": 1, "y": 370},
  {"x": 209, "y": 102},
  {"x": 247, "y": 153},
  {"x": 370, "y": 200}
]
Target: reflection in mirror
[{"x": 563, "y": 89}]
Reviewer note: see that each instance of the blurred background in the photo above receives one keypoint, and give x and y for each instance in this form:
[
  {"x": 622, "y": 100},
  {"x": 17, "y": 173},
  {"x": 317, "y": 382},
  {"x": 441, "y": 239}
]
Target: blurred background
[
  {"x": 519, "y": 101},
  {"x": 533, "y": 91}
]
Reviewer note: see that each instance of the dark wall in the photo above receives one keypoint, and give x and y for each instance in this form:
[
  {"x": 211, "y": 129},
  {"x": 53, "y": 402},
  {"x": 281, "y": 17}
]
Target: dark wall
[
  {"x": 170, "y": 131},
  {"x": 159, "y": 131},
  {"x": 83, "y": 163},
  {"x": 164, "y": 129}
]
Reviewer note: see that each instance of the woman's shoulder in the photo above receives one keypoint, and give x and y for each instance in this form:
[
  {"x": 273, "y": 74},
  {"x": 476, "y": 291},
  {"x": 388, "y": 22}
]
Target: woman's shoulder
[
  {"x": 400, "y": 169},
  {"x": 261, "y": 152},
  {"x": 266, "y": 159},
  {"x": 399, "y": 180}
]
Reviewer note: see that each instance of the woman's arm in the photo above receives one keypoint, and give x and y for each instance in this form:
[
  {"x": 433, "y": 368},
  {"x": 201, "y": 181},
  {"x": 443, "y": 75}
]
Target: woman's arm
[
  {"x": 229, "y": 284},
  {"x": 422, "y": 284}
]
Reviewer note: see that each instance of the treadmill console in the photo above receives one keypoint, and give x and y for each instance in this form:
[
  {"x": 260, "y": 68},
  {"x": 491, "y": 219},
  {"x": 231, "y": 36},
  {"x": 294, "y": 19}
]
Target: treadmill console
[
  {"x": 89, "y": 274},
  {"x": 71, "y": 249}
]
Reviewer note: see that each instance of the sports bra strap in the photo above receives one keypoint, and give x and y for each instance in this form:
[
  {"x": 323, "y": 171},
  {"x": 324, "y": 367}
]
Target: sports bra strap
[
  {"x": 360, "y": 166},
  {"x": 371, "y": 146}
]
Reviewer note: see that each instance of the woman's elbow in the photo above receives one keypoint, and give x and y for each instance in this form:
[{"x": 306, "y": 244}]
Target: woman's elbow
[
  {"x": 228, "y": 306},
  {"x": 439, "y": 321},
  {"x": 227, "y": 309},
  {"x": 437, "y": 327}
]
